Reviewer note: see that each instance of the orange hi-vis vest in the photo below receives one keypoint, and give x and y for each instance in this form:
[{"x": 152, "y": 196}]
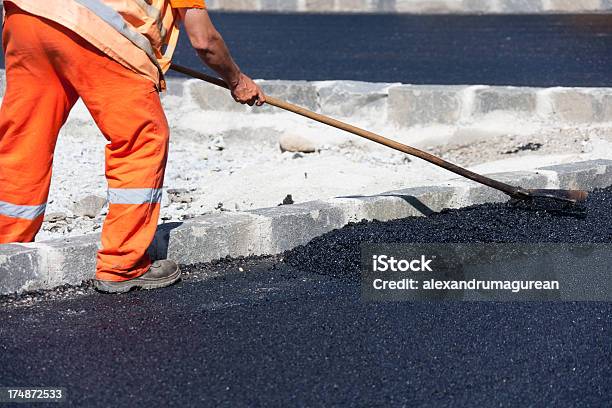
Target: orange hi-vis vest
[{"x": 139, "y": 34}]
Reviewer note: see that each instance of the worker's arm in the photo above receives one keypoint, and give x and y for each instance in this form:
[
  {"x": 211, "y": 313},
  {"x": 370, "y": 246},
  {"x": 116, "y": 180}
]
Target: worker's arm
[{"x": 211, "y": 48}]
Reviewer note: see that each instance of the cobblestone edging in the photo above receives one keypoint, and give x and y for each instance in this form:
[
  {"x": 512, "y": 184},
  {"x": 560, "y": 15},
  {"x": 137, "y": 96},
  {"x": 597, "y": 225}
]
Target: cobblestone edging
[
  {"x": 414, "y": 6},
  {"x": 410, "y": 105},
  {"x": 25, "y": 267}
]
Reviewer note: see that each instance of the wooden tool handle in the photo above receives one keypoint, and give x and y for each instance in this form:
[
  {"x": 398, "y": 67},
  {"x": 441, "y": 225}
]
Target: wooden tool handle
[{"x": 479, "y": 178}]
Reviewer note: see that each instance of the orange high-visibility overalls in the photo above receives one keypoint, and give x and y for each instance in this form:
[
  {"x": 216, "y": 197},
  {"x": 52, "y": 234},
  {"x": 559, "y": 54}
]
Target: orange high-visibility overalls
[{"x": 109, "y": 53}]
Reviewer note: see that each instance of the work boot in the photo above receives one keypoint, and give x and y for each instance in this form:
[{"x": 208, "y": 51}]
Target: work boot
[{"x": 160, "y": 274}]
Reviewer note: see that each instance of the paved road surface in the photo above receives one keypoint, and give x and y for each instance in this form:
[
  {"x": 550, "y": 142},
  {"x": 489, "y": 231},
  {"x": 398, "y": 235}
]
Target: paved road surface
[
  {"x": 496, "y": 50},
  {"x": 275, "y": 335},
  {"x": 538, "y": 50}
]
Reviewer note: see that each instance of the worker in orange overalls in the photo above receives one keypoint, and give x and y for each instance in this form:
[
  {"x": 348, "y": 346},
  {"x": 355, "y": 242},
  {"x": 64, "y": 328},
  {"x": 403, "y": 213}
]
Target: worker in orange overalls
[{"x": 113, "y": 54}]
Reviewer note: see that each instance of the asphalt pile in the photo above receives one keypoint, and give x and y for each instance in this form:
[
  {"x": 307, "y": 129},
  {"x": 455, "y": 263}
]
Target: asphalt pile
[{"x": 337, "y": 253}]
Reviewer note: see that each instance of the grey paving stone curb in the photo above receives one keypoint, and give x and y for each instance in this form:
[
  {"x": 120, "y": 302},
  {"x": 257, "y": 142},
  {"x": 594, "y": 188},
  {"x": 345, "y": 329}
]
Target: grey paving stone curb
[
  {"x": 413, "y": 6},
  {"x": 412, "y": 105},
  {"x": 418, "y": 105},
  {"x": 45, "y": 265}
]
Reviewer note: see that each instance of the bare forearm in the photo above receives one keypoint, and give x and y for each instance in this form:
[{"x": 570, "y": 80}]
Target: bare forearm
[
  {"x": 210, "y": 46},
  {"x": 217, "y": 56}
]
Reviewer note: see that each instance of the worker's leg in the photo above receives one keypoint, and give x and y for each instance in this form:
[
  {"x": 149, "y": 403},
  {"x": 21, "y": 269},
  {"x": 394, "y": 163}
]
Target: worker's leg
[
  {"x": 136, "y": 158},
  {"x": 127, "y": 109},
  {"x": 34, "y": 108},
  {"x": 135, "y": 164}
]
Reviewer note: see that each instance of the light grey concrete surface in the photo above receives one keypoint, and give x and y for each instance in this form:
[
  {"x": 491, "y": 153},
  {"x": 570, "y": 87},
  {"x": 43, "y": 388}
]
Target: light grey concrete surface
[
  {"x": 212, "y": 237},
  {"x": 414, "y": 6},
  {"x": 68, "y": 261},
  {"x": 301, "y": 93},
  {"x": 509, "y": 99},
  {"x": 479, "y": 194},
  {"x": 420, "y": 105},
  {"x": 352, "y": 98},
  {"x": 45, "y": 265},
  {"x": 286, "y": 227},
  {"x": 574, "y": 175},
  {"x": 407, "y": 106},
  {"x": 576, "y": 105},
  {"x": 21, "y": 269}
]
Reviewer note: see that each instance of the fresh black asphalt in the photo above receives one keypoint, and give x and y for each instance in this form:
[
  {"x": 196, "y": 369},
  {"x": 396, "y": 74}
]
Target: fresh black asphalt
[
  {"x": 266, "y": 333},
  {"x": 521, "y": 50}
]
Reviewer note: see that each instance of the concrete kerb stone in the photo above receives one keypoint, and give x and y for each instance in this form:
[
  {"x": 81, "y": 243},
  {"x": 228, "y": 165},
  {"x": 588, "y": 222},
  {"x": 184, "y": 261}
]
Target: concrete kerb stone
[
  {"x": 293, "y": 225},
  {"x": 215, "y": 236},
  {"x": 593, "y": 173},
  {"x": 383, "y": 207},
  {"x": 568, "y": 6},
  {"x": 174, "y": 87},
  {"x": 211, "y": 97},
  {"x": 479, "y": 194},
  {"x": 280, "y": 5},
  {"x": 429, "y": 6},
  {"x": 413, "y": 6},
  {"x": 414, "y": 105},
  {"x": 525, "y": 6},
  {"x": 418, "y": 105},
  {"x": 20, "y": 269},
  {"x": 27, "y": 267},
  {"x": 515, "y": 100},
  {"x": 49, "y": 264},
  {"x": 68, "y": 261},
  {"x": 353, "y": 98},
  {"x": 575, "y": 105},
  {"x": 302, "y": 93}
]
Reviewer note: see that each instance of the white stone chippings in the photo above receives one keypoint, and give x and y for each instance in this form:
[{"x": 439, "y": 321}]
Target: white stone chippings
[{"x": 248, "y": 170}]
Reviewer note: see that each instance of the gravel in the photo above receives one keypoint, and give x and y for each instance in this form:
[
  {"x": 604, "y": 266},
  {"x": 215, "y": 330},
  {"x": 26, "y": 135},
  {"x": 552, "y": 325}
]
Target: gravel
[{"x": 235, "y": 159}]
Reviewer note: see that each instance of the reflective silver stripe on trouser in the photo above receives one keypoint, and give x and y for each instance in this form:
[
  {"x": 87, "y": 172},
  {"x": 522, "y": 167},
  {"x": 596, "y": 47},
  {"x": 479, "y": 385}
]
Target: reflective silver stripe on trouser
[
  {"x": 114, "y": 19},
  {"x": 134, "y": 195},
  {"x": 28, "y": 212}
]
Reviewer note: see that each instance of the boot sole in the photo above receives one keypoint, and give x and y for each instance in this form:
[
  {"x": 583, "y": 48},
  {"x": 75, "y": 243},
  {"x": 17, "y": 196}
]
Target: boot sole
[{"x": 138, "y": 283}]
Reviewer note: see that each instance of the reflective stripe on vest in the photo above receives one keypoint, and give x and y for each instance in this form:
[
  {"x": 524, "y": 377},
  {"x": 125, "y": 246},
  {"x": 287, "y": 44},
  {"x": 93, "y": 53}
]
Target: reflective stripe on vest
[
  {"x": 134, "y": 195},
  {"x": 139, "y": 34},
  {"x": 28, "y": 212},
  {"x": 114, "y": 19}
]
